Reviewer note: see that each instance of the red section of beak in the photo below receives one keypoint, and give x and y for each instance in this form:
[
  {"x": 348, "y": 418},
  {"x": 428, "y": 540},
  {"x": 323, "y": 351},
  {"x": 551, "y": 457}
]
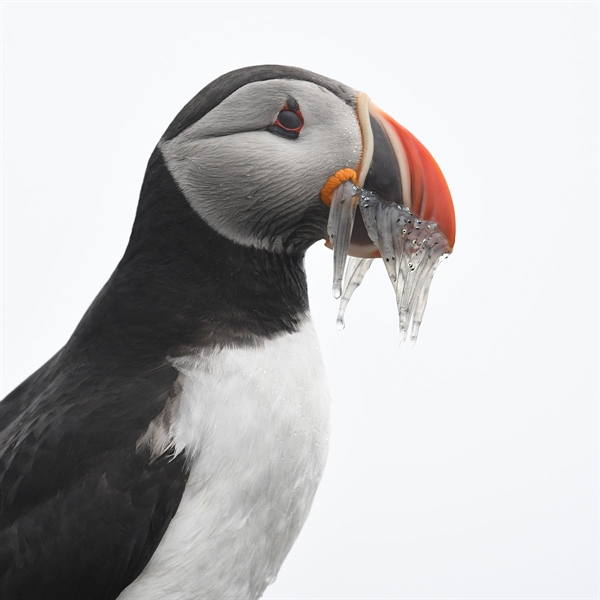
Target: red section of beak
[{"x": 429, "y": 194}]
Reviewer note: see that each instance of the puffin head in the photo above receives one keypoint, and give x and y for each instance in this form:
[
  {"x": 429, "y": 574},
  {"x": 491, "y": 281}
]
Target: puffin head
[
  {"x": 255, "y": 151},
  {"x": 264, "y": 155}
]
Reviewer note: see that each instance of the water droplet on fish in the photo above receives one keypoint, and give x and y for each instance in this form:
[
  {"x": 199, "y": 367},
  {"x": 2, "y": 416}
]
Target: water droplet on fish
[{"x": 410, "y": 254}]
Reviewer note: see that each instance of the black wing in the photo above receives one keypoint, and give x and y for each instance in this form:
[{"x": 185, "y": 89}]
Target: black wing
[{"x": 81, "y": 509}]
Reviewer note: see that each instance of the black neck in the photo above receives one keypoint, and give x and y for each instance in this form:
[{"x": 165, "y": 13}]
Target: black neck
[{"x": 181, "y": 285}]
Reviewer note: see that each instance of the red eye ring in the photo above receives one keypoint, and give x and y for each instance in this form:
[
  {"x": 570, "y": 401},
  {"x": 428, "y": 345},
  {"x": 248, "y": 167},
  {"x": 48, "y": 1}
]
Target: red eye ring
[{"x": 289, "y": 120}]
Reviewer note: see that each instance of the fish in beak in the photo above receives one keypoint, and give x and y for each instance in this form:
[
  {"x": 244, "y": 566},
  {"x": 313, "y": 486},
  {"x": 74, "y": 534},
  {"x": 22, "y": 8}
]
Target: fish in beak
[{"x": 405, "y": 216}]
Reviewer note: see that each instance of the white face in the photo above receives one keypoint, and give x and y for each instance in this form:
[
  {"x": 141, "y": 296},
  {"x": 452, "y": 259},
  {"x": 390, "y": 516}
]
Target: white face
[{"x": 254, "y": 186}]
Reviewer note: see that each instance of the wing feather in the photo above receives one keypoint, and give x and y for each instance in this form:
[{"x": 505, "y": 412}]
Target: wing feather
[{"x": 83, "y": 506}]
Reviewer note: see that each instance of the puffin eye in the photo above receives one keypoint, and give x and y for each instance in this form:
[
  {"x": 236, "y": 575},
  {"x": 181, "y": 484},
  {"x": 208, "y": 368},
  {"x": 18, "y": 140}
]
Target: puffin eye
[{"x": 289, "y": 121}]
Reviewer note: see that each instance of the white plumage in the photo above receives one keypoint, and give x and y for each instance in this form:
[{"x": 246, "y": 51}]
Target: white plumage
[{"x": 255, "y": 424}]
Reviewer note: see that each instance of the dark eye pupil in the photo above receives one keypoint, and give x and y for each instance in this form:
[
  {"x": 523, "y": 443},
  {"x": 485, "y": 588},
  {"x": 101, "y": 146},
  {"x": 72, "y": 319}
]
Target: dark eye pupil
[{"x": 289, "y": 120}]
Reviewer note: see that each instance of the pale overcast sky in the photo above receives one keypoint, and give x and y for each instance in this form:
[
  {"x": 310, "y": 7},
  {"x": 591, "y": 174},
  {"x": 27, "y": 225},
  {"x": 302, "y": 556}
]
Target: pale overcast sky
[{"x": 465, "y": 467}]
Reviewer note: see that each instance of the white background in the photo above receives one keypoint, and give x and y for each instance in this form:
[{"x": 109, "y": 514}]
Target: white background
[{"x": 465, "y": 467}]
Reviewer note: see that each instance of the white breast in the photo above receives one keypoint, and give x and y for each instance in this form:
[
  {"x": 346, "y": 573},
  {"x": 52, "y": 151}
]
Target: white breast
[{"x": 255, "y": 425}]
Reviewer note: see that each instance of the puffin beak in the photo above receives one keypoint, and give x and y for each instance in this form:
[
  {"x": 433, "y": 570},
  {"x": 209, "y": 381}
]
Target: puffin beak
[
  {"x": 406, "y": 216},
  {"x": 398, "y": 169}
]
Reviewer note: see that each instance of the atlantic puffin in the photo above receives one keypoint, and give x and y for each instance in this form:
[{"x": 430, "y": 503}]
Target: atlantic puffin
[{"x": 172, "y": 448}]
